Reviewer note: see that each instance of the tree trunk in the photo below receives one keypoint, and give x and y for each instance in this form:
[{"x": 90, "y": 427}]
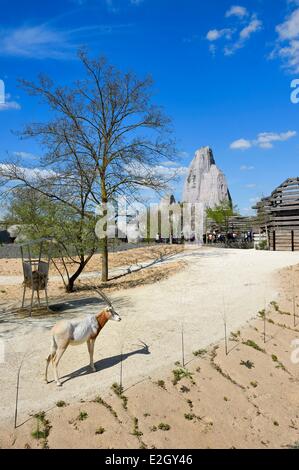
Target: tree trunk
[
  {"x": 105, "y": 260},
  {"x": 71, "y": 282}
]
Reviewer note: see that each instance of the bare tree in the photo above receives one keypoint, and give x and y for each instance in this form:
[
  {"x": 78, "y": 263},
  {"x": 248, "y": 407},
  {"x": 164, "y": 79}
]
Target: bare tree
[{"x": 105, "y": 139}]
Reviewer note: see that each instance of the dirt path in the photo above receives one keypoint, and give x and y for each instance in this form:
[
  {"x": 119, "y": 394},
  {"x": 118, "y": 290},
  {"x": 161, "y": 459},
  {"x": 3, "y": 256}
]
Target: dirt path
[{"x": 215, "y": 281}]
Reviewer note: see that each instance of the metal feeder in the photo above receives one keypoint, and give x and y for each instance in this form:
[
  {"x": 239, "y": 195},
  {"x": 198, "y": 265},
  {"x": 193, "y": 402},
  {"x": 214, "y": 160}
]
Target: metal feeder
[{"x": 35, "y": 270}]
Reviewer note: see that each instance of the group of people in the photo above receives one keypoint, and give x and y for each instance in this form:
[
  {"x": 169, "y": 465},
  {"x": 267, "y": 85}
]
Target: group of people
[{"x": 229, "y": 237}]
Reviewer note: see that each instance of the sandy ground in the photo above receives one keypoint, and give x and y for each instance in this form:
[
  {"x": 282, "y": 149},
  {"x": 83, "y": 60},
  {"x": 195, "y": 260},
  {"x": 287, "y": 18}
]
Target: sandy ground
[
  {"x": 215, "y": 283},
  {"x": 11, "y": 277}
]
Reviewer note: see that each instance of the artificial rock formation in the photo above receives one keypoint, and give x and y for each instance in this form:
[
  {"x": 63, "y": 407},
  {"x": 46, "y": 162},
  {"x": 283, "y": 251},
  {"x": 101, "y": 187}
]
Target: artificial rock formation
[{"x": 205, "y": 183}]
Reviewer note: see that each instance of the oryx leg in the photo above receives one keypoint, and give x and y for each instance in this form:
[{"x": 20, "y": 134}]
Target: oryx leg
[
  {"x": 59, "y": 353},
  {"x": 90, "y": 346}
]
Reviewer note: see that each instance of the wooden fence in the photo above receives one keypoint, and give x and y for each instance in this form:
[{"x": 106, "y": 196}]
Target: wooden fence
[{"x": 286, "y": 240}]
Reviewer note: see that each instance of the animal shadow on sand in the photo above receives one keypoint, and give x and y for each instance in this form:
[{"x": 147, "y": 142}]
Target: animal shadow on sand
[{"x": 106, "y": 363}]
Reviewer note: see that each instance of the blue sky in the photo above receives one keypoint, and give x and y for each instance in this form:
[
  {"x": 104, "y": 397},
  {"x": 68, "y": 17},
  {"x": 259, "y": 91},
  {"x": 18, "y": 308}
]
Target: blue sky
[{"x": 222, "y": 71}]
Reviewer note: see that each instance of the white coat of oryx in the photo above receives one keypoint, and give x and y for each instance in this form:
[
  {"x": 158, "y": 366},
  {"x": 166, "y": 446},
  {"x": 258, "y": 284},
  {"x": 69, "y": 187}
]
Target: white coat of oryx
[{"x": 78, "y": 331}]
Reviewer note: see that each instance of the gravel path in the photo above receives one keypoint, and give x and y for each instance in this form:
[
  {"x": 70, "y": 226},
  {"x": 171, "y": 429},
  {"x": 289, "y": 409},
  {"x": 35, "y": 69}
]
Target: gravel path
[{"x": 216, "y": 282}]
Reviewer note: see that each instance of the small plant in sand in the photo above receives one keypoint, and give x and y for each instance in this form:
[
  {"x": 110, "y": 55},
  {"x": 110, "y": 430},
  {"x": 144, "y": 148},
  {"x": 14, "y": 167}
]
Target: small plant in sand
[
  {"x": 277, "y": 309},
  {"x": 60, "y": 404},
  {"x": 254, "y": 384},
  {"x": 82, "y": 416},
  {"x": 293, "y": 446},
  {"x": 136, "y": 432},
  {"x": 276, "y": 423},
  {"x": 279, "y": 365},
  {"x": 42, "y": 427},
  {"x": 182, "y": 373},
  {"x": 154, "y": 428},
  {"x": 235, "y": 336},
  {"x": 164, "y": 427},
  {"x": 184, "y": 389},
  {"x": 200, "y": 353},
  {"x": 189, "y": 416},
  {"x": 118, "y": 390},
  {"x": 161, "y": 384},
  {"x": 100, "y": 430},
  {"x": 275, "y": 305},
  {"x": 262, "y": 313},
  {"x": 253, "y": 345},
  {"x": 248, "y": 364},
  {"x": 190, "y": 403}
]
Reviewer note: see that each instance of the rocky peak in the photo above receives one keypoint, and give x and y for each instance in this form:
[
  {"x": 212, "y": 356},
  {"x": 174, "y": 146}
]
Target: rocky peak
[{"x": 205, "y": 183}]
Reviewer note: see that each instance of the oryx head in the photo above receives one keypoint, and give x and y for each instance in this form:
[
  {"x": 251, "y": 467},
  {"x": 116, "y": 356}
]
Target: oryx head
[{"x": 112, "y": 314}]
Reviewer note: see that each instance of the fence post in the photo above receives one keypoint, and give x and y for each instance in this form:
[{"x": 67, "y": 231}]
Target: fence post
[{"x": 293, "y": 241}]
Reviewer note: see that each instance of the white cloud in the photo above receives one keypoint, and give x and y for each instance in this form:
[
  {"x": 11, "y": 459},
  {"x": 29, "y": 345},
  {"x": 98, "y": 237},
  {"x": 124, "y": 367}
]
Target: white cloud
[
  {"x": 254, "y": 26},
  {"x": 236, "y": 10},
  {"x": 287, "y": 45},
  {"x": 235, "y": 38},
  {"x": 169, "y": 171},
  {"x": 241, "y": 144},
  {"x": 215, "y": 34},
  {"x": 289, "y": 29},
  {"x": 247, "y": 168},
  {"x": 43, "y": 41},
  {"x": 32, "y": 174},
  {"x": 25, "y": 155},
  {"x": 9, "y": 105},
  {"x": 264, "y": 140},
  {"x": 250, "y": 185}
]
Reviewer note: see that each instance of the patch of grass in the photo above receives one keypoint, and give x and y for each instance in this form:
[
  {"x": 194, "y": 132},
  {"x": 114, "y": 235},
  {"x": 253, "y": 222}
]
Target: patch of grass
[
  {"x": 293, "y": 446},
  {"x": 275, "y": 305},
  {"x": 100, "y": 430},
  {"x": 164, "y": 427},
  {"x": 235, "y": 336},
  {"x": 262, "y": 313},
  {"x": 200, "y": 353},
  {"x": 146, "y": 415},
  {"x": 102, "y": 402},
  {"x": 277, "y": 309},
  {"x": 60, "y": 404},
  {"x": 252, "y": 344},
  {"x": 161, "y": 384},
  {"x": 279, "y": 364},
  {"x": 136, "y": 432},
  {"x": 38, "y": 434},
  {"x": 118, "y": 390},
  {"x": 182, "y": 373},
  {"x": 42, "y": 428},
  {"x": 190, "y": 403},
  {"x": 219, "y": 369},
  {"x": 82, "y": 416},
  {"x": 154, "y": 428},
  {"x": 190, "y": 416},
  {"x": 248, "y": 364}
]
